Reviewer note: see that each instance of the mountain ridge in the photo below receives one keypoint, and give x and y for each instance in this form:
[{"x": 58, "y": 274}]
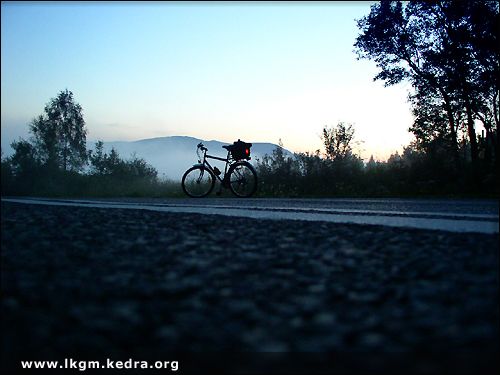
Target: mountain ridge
[{"x": 172, "y": 155}]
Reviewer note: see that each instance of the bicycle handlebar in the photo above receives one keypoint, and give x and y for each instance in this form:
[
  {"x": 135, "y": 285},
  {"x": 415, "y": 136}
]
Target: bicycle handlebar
[{"x": 203, "y": 148}]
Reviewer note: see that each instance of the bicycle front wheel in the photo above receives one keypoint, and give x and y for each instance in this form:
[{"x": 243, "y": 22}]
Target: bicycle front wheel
[
  {"x": 243, "y": 179},
  {"x": 198, "y": 181}
]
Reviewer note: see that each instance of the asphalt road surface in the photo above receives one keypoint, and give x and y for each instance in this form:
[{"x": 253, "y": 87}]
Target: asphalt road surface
[{"x": 118, "y": 280}]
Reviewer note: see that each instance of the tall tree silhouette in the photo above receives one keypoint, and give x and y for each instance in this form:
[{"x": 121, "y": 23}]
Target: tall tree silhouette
[
  {"x": 60, "y": 133},
  {"x": 448, "y": 50},
  {"x": 338, "y": 141}
]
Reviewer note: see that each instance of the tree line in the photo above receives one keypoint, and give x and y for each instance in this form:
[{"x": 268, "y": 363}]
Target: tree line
[
  {"x": 56, "y": 162},
  {"x": 338, "y": 171}
]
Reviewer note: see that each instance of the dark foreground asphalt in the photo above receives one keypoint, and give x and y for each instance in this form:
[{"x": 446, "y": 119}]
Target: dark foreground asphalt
[{"x": 139, "y": 284}]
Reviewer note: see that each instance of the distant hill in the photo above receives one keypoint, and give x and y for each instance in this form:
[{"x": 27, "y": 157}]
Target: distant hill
[{"x": 171, "y": 156}]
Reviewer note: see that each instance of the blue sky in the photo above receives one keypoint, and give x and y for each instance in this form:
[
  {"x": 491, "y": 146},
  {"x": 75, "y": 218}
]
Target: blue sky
[{"x": 212, "y": 70}]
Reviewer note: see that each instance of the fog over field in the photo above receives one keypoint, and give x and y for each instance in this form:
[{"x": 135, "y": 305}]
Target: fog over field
[{"x": 171, "y": 156}]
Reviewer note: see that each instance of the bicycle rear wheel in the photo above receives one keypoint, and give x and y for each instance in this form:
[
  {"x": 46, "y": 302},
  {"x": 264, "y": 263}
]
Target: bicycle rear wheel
[
  {"x": 242, "y": 179},
  {"x": 198, "y": 181}
]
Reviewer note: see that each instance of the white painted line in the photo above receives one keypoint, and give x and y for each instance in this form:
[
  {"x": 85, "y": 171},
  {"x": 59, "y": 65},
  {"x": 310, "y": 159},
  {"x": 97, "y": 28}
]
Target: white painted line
[
  {"x": 437, "y": 214},
  {"x": 265, "y": 213},
  {"x": 352, "y": 211}
]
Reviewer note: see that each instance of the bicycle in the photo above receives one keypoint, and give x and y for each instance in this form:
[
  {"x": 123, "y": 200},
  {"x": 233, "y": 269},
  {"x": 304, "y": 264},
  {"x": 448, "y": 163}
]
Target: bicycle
[{"x": 239, "y": 175}]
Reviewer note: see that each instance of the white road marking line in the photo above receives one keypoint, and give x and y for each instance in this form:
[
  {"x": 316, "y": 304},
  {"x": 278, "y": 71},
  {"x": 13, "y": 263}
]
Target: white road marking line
[
  {"x": 270, "y": 213},
  {"x": 454, "y": 215}
]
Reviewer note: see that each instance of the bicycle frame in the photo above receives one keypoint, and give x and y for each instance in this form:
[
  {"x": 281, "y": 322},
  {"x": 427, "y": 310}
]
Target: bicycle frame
[{"x": 205, "y": 162}]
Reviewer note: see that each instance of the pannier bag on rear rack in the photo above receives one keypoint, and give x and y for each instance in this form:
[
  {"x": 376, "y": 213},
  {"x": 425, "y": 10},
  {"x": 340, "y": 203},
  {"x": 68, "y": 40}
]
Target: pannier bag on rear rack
[{"x": 240, "y": 150}]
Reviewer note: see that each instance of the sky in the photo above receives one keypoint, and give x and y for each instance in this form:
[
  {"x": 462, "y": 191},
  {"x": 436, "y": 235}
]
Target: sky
[{"x": 257, "y": 71}]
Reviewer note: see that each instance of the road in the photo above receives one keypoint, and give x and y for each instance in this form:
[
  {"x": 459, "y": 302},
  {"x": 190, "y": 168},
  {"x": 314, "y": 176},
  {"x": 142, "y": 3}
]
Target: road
[
  {"x": 92, "y": 279},
  {"x": 450, "y": 215}
]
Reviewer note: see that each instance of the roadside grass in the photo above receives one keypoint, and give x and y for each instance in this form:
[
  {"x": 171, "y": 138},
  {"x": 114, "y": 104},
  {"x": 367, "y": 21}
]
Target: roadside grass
[
  {"x": 77, "y": 185},
  {"x": 137, "y": 188}
]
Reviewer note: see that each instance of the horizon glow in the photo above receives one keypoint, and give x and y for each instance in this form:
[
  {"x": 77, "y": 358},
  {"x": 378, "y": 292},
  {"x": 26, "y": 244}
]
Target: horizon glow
[{"x": 260, "y": 72}]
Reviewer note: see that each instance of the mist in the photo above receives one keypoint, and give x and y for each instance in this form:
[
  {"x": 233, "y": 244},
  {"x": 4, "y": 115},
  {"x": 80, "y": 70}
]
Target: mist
[{"x": 172, "y": 156}]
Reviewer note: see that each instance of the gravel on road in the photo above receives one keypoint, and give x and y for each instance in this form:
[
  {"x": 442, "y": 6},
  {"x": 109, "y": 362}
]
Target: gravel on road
[{"x": 140, "y": 284}]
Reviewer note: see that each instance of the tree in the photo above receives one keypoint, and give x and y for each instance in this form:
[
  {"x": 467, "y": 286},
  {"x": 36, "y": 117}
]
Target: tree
[
  {"x": 24, "y": 162},
  {"x": 97, "y": 159},
  {"x": 277, "y": 173},
  {"x": 338, "y": 140},
  {"x": 448, "y": 50},
  {"x": 6, "y": 174},
  {"x": 103, "y": 164},
  {"x": 465, "y": 55},
  {"x": 139, "y": 168},
  {"x": 60, "y": 134},
  {"x": 432, "y": 122}
]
